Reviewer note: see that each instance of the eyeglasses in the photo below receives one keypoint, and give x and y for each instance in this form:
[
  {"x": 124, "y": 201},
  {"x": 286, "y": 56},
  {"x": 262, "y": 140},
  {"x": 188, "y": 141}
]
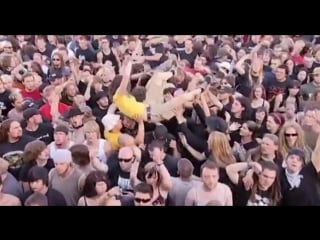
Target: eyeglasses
[
  {"x": 126, "y": 160},
  {"x": 291, "y": 134},
  {"x": 141, "y": 200},
  {"x": 56, "y": 59}
]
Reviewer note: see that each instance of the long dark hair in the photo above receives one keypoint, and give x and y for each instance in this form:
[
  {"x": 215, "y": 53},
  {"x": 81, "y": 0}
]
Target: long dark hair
[
  {"x": 247, "y": 112},
  {"x": 4, "y": 130},
  {"x": 292, "y": 84},
  {"x": 274, "y": 190}
]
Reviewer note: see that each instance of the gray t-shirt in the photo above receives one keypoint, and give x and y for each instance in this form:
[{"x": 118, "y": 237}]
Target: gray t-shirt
[
  {"x": 179, "y": 190},
  {"x": 12, "y": 186}
]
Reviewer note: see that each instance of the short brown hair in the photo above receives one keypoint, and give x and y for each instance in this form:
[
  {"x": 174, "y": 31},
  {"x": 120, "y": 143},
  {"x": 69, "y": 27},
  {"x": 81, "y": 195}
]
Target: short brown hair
[
  {"x": 33, "y": 150},
  {"x": 80, "y": 154},
  {"x": 210, "y": 165},
  {"x": 185, "y": 168}
]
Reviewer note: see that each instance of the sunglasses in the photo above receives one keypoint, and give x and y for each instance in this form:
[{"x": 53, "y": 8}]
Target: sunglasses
[
  {"x": 140, "y": 200},
  {"x": 56, "y": 59},
  {"x": 291, "y": 134},
  {"x": 125, "y": 160}
]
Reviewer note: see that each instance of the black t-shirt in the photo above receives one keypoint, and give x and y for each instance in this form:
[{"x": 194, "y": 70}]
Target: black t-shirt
[
  {"x": 85, "y": 55},
  {"x": 307, "y": 194},
  {"x": 154, "y": 49},
  {"x": 27, "y": 166},
  {"x": 242, "y": 197},
  {"x": 5, "y": 104},
  {"x": 99, "y": 113},
  {"x": 118, "y": 177},
  {"x": 44, "y": 133},
  {"x": 115, "y": 40},
  {"x": 48, "y": 50},
  {"x": 54, "y": 197},
  {"x": 13, "y": 153},
  {"x": 190, "y": 57},
  {"x": 274, "y": 87}
]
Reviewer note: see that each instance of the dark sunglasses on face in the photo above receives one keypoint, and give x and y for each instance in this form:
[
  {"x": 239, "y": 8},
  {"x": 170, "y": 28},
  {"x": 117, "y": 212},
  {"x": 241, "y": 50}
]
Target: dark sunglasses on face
[
  {"x": 291, "y": 134},
  {"x": 125, "y": 160},
  {"x": 140, "y": 200},
  {"x": 55, "y": 59}
]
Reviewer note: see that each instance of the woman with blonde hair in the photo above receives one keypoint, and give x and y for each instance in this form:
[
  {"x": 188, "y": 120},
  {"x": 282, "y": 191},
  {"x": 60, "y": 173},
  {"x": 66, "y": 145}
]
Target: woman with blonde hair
[
  {"x": 7, "y": 81},
  {"x": 220, "y": 150},
  {"x": 98, "y": 147},
  {"x": 292, "y": 136},
  {"x": 249, "y": 75}
]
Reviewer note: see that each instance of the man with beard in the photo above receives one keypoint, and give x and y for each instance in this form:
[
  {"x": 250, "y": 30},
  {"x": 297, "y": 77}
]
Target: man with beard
[
  {"x": 61, "y": 139},
  {"x": 36, "y": 127},
  {"x": 102, "y": 105},
  {"x": 12, "y": 144},
  {"x": 75, "y": 117}
]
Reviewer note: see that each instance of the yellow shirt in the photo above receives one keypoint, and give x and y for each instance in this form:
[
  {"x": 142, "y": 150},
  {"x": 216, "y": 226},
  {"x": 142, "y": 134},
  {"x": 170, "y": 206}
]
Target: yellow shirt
[
  {"x": 113, "y": 137},
  {"x": 128, "y": 105}
]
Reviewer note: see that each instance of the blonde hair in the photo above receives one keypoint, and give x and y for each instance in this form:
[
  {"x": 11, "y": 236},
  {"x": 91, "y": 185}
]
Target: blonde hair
[
  {"x": 256, "y": 62},
  {"x": 151, "y": 169},
  {"x": 6, "y": 78},
  {"x": 78, "y": 100},
  {"x": 221, "y": 150},
  {"x": 283, "y": 146},
  {"x": 92, "y": 126}
]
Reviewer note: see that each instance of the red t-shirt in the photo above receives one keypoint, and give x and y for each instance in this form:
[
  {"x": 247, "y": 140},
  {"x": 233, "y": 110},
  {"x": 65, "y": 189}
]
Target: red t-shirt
[
  {"x": 35, "y": 95},
  {"x": 45, "y": 110},
  {"x": 298, "y": 59}
]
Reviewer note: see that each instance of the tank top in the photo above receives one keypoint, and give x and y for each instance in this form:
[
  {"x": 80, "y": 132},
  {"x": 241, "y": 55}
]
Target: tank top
[
  {"x": 68, "y": 186},
  {"x": 160, "y": 201},
  {"x": 101, "y": 155},
  {"x": 112, "y": 58},
  {"x": 53, "y": 147}
]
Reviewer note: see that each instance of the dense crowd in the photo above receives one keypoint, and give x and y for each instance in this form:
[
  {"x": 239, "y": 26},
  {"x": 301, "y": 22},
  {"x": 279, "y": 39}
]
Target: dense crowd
[{"x": 150, "y": 120}]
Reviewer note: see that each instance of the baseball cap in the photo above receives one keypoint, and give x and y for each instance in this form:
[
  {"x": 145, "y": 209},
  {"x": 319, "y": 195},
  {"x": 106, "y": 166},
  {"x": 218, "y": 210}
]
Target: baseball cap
[
  {"x": 225, "y": 65},
  {"x": 216, "y": 124},
  {"x": 30, "y": 112},
  {"x": 74, "y": 112},
  {"x": 28, "y": 103},
  {"x": 62, "y": 128},
  {"x": 110, "y": 120},
  {"x": 161, "y": 132},
  {"x": 298, "y": 152}
]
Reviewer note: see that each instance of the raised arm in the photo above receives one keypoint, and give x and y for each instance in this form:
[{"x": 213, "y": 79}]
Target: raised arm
[
  {"x": 123, "y": 88},
  {"x": 166, "y": 182},
  {"x": 315, "y": 157},
  {"x": 135, "y": 167},
  {"x": 234, "y": 169},
  {"x": 139, "y": 139},
  {"x": 239, "y": 64}
]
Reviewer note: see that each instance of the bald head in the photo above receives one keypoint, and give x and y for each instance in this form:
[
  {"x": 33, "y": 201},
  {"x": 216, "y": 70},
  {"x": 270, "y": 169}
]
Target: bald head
[
  {"x": 126, "y": 140},
  {"x": 125, "y": 153},
  {"x": 185, "y": 168}
]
